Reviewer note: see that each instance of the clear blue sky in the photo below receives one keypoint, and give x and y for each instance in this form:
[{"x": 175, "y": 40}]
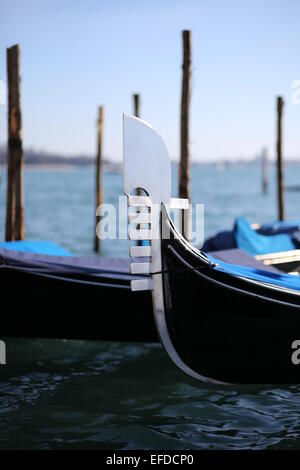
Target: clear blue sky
[{"x": 78, "y": 54}]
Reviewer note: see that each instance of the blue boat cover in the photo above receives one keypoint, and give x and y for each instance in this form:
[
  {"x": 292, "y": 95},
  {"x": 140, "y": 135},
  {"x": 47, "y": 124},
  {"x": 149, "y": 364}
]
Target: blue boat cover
[
  {"x": 288, "y": 281},
  {"x": 226, "y": 240},
  {"x": 44, "y": 247},
  {"x": 280, "y": 226},
  {"x": 254, "y": 243},
  {"x": 241, "y": 258},
  {"x": 96, "y": 266}
]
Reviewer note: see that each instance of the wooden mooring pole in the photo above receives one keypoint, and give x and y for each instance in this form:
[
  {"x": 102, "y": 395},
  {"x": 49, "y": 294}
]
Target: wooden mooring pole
[
  {"x": 99, "y": 171},
  {"x": 280, "y": 176},
  {"x": 136, "y": 104},
  {"x": 265, "y": 170},
  {"x": 184, "y": 166},
  {"x": 136, "y": 111},
  {"x": 15, "y": 220}
]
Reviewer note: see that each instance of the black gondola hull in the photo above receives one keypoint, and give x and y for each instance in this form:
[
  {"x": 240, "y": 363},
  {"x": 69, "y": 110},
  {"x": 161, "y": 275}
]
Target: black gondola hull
[
  {"x": 77, "y": 307},
  {"x": 227, "y": 328}
]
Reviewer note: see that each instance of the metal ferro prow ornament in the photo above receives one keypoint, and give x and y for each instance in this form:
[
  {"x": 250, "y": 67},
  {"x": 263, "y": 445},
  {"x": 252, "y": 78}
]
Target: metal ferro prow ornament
[{"x": 146, "y": 165}]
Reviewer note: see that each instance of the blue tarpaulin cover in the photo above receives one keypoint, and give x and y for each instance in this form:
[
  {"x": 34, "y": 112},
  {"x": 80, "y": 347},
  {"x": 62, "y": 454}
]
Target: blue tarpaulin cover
[
  {"x": 226, "y": 240},
  {"x": 279, "y": 279},
  {"x": 254, "y": 243},
  {"x": 43, "y": 247},
  {"x": 280, "y": 226}
]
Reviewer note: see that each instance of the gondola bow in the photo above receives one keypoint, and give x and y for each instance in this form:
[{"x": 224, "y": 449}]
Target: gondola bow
[{"x": 218, "y": 322}]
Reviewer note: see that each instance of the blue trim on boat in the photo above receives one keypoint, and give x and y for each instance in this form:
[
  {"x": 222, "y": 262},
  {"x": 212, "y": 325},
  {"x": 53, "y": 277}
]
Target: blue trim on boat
[{"x": 288, "y": 281}]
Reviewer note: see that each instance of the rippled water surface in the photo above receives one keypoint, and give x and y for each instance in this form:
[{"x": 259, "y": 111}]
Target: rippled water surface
[
  {"x": 57, "y": 394},
  {"x": 69, "y": 394}
]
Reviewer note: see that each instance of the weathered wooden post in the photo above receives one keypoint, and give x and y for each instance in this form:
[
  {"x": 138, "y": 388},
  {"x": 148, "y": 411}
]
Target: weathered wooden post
[
  {"x": 184, "y": 166},
  {"x": 15, "y": 221},
  {"x": 136, "y": 111},
  {"x": 99, "y": 171},
  {"x": 280, "y": 176},
  {"x": 265, "y": 170},
  {"x": 136, "y": 104}
]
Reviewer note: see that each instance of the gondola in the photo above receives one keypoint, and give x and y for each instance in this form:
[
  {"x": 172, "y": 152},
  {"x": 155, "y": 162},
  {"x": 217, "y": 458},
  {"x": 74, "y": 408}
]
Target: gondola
[
  {"x": 58, "y": 296},
  {"x": 219, "y": 322}
]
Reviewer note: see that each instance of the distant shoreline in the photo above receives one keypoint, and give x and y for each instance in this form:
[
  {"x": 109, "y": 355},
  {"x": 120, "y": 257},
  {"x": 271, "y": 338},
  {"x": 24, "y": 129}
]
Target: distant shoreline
[
  {"x": 43, "y": 161},
  {"x": 110, "y": 167}
]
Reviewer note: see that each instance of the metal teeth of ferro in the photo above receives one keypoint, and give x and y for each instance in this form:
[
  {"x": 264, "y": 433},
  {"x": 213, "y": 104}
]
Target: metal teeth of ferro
[
  {"x": 139, "y": 233},
  {"x": 139, "y": 219}
]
